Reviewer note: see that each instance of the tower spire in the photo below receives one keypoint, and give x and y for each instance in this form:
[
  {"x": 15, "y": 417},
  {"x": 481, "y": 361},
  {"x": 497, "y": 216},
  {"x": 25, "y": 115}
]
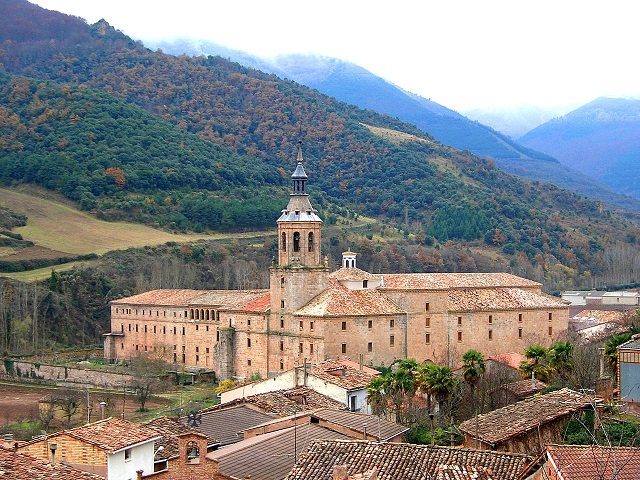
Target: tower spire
[{"x": 299, "y": 176}]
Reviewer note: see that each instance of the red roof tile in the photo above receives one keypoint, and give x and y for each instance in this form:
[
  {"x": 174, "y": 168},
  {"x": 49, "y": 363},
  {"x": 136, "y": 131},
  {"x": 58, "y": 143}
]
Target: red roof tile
[
  {"x": 111, "y": 434},
  {"x": 347, "y": 377},
  {"x": 511, "y": 359},
  {"x": 338, "y": 300},
  {"x": 20, "y": 466},
  {"x": 445, "y": 281},
  {"x": 353, "y": 273},
  {"x": 492, "y": 299},
  {"x": 587, "y": 462},
  {"x": 221, "y": 299},
  {"x": 504, "y": 423}
]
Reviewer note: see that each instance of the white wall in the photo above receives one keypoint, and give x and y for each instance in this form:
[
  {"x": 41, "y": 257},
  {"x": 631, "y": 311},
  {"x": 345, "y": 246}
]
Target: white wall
[{"x": 141, "y": 459}]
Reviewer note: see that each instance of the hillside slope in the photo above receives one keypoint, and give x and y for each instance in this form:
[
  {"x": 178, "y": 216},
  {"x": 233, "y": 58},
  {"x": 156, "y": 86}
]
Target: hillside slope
[
  {"x": 432, "y": 192},
  {"x": 355, "y": 85},
  {"x": 601, "y": 139}
]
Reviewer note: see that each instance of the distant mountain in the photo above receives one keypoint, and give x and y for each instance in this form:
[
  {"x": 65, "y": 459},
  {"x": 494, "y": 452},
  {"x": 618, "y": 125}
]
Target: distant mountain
[
  {"x": 516, "y": 121},
  {"x": 352, "y": 84},
  {"x": 600, "y": 139}
]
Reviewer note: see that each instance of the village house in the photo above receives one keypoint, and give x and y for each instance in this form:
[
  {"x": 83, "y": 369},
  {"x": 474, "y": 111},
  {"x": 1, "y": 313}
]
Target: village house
[
  {"x": 342, "y": 380},
  {"x": 113, "y": 448},
  {"x": 629, "y": 369},
  {"x": 16, "y": 465},
  {"x": 393, "y": 461},
  {"x": 580, "y": 462},
  {"x": 309, "y": 312},
  {"x": 528, "y": 425}
]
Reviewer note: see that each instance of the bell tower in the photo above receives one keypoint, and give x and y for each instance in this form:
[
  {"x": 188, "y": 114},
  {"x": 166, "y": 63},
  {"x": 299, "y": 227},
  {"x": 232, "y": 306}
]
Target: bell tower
[{"x": 300, "y": 272}]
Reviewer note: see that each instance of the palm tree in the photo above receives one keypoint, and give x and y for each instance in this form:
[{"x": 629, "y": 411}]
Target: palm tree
[
  {"x": 560, "y": 356},
  {"x": 437, "y": 380},
  {"x": 538, "y": 366},
  {"x": 376, "y": 396},
  {"x": 473, "y": 367},
  {"x": 611, "y": 351}
]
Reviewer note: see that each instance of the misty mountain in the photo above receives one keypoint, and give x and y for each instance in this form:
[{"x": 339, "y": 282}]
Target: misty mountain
[
  {"x": 516, "y": 121},
  {"x": 600, "y": 139},
  {"x": 355, "y": 85}
]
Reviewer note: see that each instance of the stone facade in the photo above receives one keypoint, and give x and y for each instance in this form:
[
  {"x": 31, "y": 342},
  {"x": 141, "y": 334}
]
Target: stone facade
[{"x": 314, "y": 314}]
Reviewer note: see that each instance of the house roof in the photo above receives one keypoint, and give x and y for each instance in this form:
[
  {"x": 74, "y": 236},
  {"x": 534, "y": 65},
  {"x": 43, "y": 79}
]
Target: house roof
[
  {"x": 226, "y": 425},
  {"x": 599, "y": 316},
  {"x": 402, "y": 460},
  {"x": 337, "y": 300},
  {"x": 446, "y": 281},
  {"x": 251, "y": 300},
  {"x": 511, "y": 359},
  {"x": 170, "y": 429},
  {"x": 290, "y": 401},
  {"x": 524, "y": 388},
  {"x": 585, "y": 462},
  {"x": 359, "y": 422},
  {"x": 270, "y": 456},
  {"x": 339, "y": 373},
  {"x": 353, "y": 273},
  {"x": 633, "y": 344},
  {"x": 492, "y": 299},
  {"x": 504, "y": 423},
  {"x": 20, "y": 466},
  {"x": 111, "y": 434}
]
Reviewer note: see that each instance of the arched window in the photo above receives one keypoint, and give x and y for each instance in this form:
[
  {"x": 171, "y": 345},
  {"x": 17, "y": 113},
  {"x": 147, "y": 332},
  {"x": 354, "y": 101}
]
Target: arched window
[
  {"x": 296, "y": 241},
  {"x": 284, "y": 242},
  {"x": 310, "y": 242},
  {"x": 193, "y": 452}
]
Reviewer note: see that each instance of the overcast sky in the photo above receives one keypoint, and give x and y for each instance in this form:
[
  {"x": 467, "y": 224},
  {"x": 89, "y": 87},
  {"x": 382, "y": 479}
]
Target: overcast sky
[{"x": 462, "y": 54}]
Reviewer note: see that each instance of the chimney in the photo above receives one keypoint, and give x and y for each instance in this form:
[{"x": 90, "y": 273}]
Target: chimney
[
  {"x": 340, "y": 472},
  {"x": 139, "y": 473},
  {"x": 7, "y": 440}
]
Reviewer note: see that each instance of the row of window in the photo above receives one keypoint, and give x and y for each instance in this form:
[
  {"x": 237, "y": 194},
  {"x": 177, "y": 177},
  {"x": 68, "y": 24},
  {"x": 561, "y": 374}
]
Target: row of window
[
  {"x": 296, "y": 242},
  {"x": 192, "y": 313},
  {"x": 164, "y": 329}
]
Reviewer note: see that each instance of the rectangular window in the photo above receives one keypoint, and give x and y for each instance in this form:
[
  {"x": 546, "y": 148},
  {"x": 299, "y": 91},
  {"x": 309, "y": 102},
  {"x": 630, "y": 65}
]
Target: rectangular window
[
  {"x": 197, "y": 358},
  {"x": 301, "y": 325},
  {"x": 344, "y": 325},
  {"x": 175, "y": 330},
  {"x": 490, "y": 334},
  {"x": 311, "y": 348},
  {"x": 136, "y": 328},
  {"x": 281, "y": 365},
  {"x": 311, "y": 325},
  {"x": 217, "y": 335},
  {"x": 207, "y": 350},
  {"x": 197, "y": 349},
  {"x": 248, "y": 322},
  {"x": 248, "y": 342},
  {"x": 427, "y": 338},
  {"x": 520, "y": 317},
  {"x": 281, "y": 346},
  {"x": 426, "y": 307},
  {"x": 370, "y": 347},
  {"x": 164, "y": 329},
  {"x": 145, "y": 329},
  {"x": 154, "y": 329},
  {"x": 281, "y": 303},
  {"x": 207, "y": 328},
  {"x": 183, "y": 330},
  {"x": 519, "y": 333},
  {"x": 370, "y": 324},
  {"x": 550, "y": 316},
  {"x": 392, "y": 340},
  {"x": 344, "y": 348},
  {"x": 249, "y": 362},
  {"x": 281, "y": 322},
  {"x": 129, "y": 327},
  {"x": 459, "y": 336},
  {"x": 490, "y": 319},
  {"x": 459, "y": 320},
  {"x": 550, "y": 330},
  {"x": 300, "y": 348},
  {"x": 197, "y": 327},
  {"x": 391, "y": 323},
  {"x": 127, "y": 455},
  {"x": 427, "y": 322}
]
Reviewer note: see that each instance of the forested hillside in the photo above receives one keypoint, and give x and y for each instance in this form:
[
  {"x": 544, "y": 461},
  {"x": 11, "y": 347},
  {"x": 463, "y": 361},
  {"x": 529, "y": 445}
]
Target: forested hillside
[{"x": 432, "y": 191}]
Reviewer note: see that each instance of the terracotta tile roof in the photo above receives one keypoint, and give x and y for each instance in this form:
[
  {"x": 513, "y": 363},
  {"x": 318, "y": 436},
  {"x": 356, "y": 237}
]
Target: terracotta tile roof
[
  {"x": 260, "y": 304},
  {"x": 375, "y": 426},
  {"x": 170, "y": 429},
  {"x": 338, "y": 300},
  {"x": 600, "y": 315},
  {"x": 282, "y": 403},
  {"x": 338, "y": 373},
  {"x": 271, "y": 455},
  {"x": 487, "y": 299},
  {"x": 353, "y": 273},
  {"x": 504, "y": 423},
  {"x": 446, "y": 281},
  {"x": 222, "y": 299},
  {"x": 525, "y": 388},
  {"x": 511, "y": 359},
  {"x": 458, "y": 472},
  {"x": 633, "y": 344},
  {"x": 111, "y": 434},
  {"x": 404, "y": 461},
  {"x": 350, "y": 363},
  {"x": 586, "y": 462},
  {"x": 20, "y": 466}
]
